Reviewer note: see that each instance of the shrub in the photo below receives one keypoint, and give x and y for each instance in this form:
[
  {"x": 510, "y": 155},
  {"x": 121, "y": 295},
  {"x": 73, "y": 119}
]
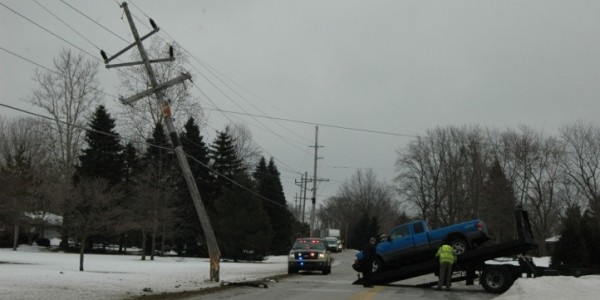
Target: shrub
[{"x": 43, "y": 242}]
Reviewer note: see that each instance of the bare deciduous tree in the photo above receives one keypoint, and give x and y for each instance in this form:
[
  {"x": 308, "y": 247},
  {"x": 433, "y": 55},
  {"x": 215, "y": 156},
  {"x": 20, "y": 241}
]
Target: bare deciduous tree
[
  {"x": 23, "y": 164},
  {"x": 245, "y": 147},
  {"x": 92, "y": 208},
  {"x": 142, "y": 116},
  {"x": 441, "y": 175},
  {"x": 582, "y": 163},
  {"x": 362, "y": 195},
  {"x": 68, "y": 93},
  {"x": 152, "y": 206},
  {"x": 545, "y": 178}
]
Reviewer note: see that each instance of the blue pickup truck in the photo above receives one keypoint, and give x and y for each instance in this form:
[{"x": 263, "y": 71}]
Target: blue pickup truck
[{"x": 415, "y": 241}]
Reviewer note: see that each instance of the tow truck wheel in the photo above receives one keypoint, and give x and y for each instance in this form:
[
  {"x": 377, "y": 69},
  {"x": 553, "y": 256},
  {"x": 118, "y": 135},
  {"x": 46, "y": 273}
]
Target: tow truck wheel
[{"x": 496, "y": 279}]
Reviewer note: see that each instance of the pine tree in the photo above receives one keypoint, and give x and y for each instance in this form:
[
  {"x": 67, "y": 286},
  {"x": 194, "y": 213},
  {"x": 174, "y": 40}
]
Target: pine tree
[
  {"x": 132, "y": 169},
  {"x": 498, "y": 205},
  {"x": 571, "y": 249},
  {"x": 243, "y": 230},
  {"x": 269, "y": 186},
  {"x": 159, "y": 154},
  {"x": 225, "y": 161},
  {"x": 131, "y": 161},
  {"x": 362, "y": 233},
  {"x": 189, "y": 228},
  {"x": 103, "y": 158},
  {"x": 193, "y": 144},
  {"x": 159, "y": 176}
]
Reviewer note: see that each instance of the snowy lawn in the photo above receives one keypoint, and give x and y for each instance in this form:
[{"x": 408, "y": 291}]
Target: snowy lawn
[{"x": 30, "y": 273}]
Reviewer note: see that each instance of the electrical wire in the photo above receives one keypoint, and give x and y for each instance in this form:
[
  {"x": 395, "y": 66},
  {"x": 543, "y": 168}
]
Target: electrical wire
[
  {"x": 50, "y": 32},
  {"x": 97, "y": 23}
]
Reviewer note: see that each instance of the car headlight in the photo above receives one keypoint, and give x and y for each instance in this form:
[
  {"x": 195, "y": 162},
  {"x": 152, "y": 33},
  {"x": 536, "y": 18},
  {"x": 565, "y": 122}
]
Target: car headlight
[
  {"x": 291, "y": 255},
  {"x": 321, "y": 255}
]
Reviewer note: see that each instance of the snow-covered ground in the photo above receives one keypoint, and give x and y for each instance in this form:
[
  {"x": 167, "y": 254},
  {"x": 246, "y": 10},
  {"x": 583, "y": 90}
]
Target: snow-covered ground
[{"x": 31, "y": 273}]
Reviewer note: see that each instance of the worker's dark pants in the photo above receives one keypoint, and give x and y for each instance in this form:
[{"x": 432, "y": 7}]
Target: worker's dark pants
[
  {"x": 445, "y": 275},
  {"x": 367, "y": 271}
]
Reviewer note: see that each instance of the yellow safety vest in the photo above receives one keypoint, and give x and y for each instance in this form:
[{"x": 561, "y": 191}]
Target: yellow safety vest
[{"x": 446, "y": 254}]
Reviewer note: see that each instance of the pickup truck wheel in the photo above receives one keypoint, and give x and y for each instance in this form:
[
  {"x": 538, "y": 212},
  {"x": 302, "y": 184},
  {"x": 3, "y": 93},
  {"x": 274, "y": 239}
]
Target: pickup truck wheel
[
  {"x": 377, "y": 265},
  {"x": 460, "y": 246},
  {"x": 496, "y": 279},
  {"x": 292, "y": 270}
]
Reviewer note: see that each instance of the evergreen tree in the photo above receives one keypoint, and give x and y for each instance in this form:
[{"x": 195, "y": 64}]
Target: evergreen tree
[
  {"x": 365, "y": 229},
  {"x": 590, "y": 230},
  {"x": 189, "y": 229},
  {"x": 159, "y": 177},
  {"x": 103, "y": 158},
  {"x": 131, "y": 161},
  {"x": 498, "y": 205},
  {"x": 225, "y": 161},
  {"x": 132, "y": 169},
  {"x": 193, "y": 144},
  {"x": 159, "y": 154},
  {"x": 274, "y": 203},
  {"x": 243, "y": 230},
  {"x": 571, "y": 249}
]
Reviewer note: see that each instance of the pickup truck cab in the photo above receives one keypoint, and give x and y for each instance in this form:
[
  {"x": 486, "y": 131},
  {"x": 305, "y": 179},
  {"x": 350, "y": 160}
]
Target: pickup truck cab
[{"x": 415, "y": 241}]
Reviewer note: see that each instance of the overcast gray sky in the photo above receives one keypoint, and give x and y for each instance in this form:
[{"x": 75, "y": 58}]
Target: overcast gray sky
[{"x": 392, "y": 66}]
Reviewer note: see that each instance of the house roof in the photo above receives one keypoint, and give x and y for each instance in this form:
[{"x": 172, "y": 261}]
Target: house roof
[{"x": 46, "y": 217}]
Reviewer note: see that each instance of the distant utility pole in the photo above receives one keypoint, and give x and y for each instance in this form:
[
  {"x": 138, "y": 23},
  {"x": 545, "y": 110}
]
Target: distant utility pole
[
  {"x": 303, "y": 187},
  {"x": 304, "y": 195},
  {"x": 157, "y": 89},
  {"x": 314, "y": 180}
]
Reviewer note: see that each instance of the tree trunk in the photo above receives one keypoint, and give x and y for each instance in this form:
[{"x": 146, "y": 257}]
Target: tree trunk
[
  {"x": 154, "y": 230},
  {"x": 143, "y": 244},
  {"x": 81, "y": 252},
  {"x": 162, "y": 241},
  {"x": 16, "y": 236}
]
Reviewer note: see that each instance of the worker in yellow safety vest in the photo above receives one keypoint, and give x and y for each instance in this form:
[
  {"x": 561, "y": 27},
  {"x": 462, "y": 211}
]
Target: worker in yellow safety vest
[{"x": 447, "y": 258}]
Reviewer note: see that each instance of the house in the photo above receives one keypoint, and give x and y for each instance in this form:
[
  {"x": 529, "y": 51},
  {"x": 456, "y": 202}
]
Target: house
[{"x": 41, "y": 224}]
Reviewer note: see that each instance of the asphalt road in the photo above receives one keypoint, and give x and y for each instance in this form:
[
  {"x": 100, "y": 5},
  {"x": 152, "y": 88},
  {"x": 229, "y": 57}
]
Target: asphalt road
[{"x": 338, "y": 285}]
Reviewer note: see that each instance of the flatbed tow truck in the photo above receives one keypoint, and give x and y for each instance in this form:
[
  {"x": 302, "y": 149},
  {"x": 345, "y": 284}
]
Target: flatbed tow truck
[{"x": 495, "y": 278}]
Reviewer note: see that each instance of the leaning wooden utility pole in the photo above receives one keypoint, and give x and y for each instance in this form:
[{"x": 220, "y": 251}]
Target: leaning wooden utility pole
[{"x": 158, "y": 90}]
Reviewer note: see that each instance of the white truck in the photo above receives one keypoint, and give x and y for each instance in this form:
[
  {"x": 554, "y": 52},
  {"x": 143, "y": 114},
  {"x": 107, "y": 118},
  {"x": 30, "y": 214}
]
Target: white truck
[{"x": 330, "y": 233}]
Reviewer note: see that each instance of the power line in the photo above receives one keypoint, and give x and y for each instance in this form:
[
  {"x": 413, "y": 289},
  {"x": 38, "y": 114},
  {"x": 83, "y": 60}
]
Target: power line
[
  {"x": 27, "y": 60},
  {"x": 209, "y": 99},
  {"x": 50, "y": 32},
  {"x": 323, "y": 124},
  {"x": 58, "y": 18},
  {"x": 48, "y": 69},
  {"x": 81, "y": 13},
  {"x": 56, "y": 35}
]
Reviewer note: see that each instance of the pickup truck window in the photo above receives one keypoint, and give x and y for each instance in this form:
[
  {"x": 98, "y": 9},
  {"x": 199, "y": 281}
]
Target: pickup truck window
[
  {"x": 399, "y": 232},
  {"x": 418, "y": 227}
]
